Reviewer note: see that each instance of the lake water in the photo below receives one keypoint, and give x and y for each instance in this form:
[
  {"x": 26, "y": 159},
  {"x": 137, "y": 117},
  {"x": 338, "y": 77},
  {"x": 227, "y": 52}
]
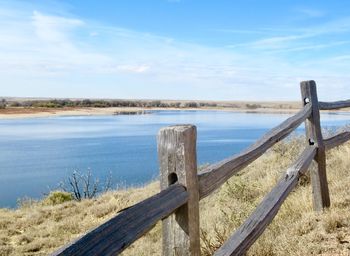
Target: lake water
[{"x": 37, "y": 153}]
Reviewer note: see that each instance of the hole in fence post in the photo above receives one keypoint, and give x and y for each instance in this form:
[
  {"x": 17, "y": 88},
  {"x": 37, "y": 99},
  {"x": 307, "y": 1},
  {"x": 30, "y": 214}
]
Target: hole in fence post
[
  {"x": 311, "y": 142},
  {"x": 306, "y": 100},
  {"x": 172, "y": 178}
]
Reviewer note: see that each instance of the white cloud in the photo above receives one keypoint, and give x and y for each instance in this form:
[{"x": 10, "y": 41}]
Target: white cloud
[{"x": 53, "y": 29}]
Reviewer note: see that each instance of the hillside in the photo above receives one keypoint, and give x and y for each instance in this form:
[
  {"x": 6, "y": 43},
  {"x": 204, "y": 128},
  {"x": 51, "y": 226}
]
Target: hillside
[{"x": 38, "y": 228}]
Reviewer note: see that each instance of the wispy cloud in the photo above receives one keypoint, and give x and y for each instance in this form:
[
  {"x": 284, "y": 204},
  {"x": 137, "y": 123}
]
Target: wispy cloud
[
  {"x": 311, "y": 13},
  {"x": 53, "y": 29},
  {"x": 242, "y": 31},
  {"x": 304, "y": 38}
]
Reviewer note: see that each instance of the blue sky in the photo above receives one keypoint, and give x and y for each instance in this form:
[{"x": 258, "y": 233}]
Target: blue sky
[{"x": 174, "y": 49}]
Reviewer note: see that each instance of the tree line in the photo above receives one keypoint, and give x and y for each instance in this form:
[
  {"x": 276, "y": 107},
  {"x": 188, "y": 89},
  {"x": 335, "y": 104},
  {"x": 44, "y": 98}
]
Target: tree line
[
  {"x": 62, "y": 103},
  {"x": 86, "y": 103}
]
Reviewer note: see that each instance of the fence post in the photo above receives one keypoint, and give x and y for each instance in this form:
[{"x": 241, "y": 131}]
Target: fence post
[
  {"x": 314, "y": 136},
  {"x": 178, "y": 163}
]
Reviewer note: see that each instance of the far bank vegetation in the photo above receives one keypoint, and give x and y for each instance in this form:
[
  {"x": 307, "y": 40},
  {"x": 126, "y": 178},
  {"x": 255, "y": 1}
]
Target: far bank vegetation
[{"x": 107, "y": 103}]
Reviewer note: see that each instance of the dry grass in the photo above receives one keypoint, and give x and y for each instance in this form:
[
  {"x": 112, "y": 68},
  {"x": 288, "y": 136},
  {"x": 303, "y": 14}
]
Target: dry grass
[{"x": 38, "y": 228}]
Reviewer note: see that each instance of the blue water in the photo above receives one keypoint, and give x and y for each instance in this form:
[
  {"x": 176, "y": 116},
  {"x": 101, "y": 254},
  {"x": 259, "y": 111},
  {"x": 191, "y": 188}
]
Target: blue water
[{"x": 37, "y": 153}]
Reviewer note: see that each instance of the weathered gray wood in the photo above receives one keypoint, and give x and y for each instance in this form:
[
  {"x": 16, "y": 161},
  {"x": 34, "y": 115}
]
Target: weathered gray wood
[
  {"x": 178, "y": 163},
  {"x": 118, "y": 233},
  {"x": 215, "y": 175},
  {"x": 318, "y": 175},
  {"x": 334, "y": 105},
  {"x": 337, "y": 140},
  {"x": 257, "y": 222}
]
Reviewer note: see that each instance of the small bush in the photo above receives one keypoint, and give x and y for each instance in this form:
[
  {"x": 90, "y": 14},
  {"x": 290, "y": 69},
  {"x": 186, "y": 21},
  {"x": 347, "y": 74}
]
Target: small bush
[{"x": 57, "y": 197}]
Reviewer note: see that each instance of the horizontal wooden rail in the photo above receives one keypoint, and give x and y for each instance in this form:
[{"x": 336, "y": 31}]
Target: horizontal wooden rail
[
  {"x": 116, "y": 234},
  {"x": 337, "y": 139},
  {"x": 255, "y": 225},
  {"x": 215, "y": 175},
  {"x": 334, "y": 105}
]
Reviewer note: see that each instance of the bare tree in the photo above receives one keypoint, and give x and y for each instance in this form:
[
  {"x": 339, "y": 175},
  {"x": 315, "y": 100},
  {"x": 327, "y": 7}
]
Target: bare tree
[{"x": 83, "y": 186}]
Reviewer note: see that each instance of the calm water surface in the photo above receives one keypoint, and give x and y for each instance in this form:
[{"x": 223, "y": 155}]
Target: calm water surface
[{"x": 37, "y": 153}]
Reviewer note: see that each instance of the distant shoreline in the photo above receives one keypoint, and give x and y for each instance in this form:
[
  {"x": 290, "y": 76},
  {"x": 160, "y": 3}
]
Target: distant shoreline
[{"x": 18, "y": 113}]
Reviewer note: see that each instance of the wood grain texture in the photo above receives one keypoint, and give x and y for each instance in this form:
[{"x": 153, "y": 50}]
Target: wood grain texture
[
  {"x": 318, "y": 175},
  {"x": 257, "y": 222},
  {"x": 178, "y": 163},
  {"x": 334, "y": 105},
  {"x": 337, "y": 140},
  {"x": 215, "y": 175},
  {"x": 118, "y": 233}
]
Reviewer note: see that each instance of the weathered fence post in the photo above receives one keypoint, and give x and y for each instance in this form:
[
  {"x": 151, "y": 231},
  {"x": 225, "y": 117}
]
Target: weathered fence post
[
  {"x": 314, "y": 136},
  {"x": 178, "y": 163}
]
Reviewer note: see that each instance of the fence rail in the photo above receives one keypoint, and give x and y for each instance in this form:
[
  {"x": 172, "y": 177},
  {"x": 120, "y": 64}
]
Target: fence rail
[
  {"x": 334, "y": 105},
  {"x": 337, "y": 139},
  {"x": 215, "y": 175},
  {"x": 177, "y": 205},
  {"x": 116, "y": 234},
  {"x": 264, "y": 213}
]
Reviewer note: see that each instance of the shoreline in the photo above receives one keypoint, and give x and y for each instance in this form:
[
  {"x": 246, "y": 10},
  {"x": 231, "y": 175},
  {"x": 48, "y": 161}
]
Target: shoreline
[
  {"x": 22, "y": 113},
  {"x": 18, "y": 113}
]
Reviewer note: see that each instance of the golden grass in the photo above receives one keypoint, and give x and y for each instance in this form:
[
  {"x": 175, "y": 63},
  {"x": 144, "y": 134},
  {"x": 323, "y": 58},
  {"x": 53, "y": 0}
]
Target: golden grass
[{"x": 39, "y": 228}]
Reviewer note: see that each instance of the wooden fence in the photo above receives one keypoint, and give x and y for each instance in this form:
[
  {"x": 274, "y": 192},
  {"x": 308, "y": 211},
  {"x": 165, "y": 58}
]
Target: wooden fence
[{"x": 177, "y": 205}]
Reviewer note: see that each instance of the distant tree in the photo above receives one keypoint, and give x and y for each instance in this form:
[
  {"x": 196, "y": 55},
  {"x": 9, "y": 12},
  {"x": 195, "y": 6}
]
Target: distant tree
[
  {"x": 86, "y": 103},
  {"x": 163, "y": 105},
  {"x": 28, "y": 103},
  {"x": 253, "y": 106},
  {"x": 176, "y": 104},
  {"x": 15, "y": 104},
  {"x": 155, "y": 103},
  {"x": 191, "y": 105},
  {"x": 2, "y": 104}
]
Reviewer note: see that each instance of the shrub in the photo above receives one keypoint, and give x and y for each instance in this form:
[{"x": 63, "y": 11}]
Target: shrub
[{"x": 57, "y": 197}]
